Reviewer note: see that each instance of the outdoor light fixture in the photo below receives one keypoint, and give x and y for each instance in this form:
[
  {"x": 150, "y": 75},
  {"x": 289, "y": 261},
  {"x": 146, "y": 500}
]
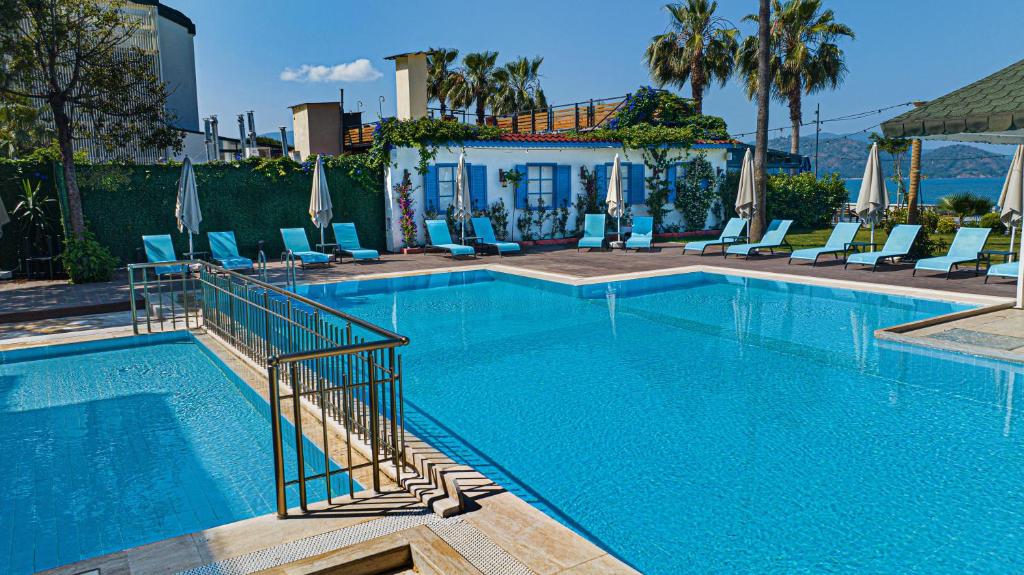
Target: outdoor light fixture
[{"x": 501, "y": 177}]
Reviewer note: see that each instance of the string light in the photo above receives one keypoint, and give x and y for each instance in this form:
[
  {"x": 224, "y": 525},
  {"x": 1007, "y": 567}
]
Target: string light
[{"x": 844, "y": 118}]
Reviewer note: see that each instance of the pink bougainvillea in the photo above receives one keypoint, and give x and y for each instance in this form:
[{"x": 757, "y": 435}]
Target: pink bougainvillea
[{"x": 403, "y": 190}]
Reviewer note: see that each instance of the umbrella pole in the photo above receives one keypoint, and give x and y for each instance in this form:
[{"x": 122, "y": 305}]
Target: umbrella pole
[
  {"x": 190, "y": 250},
  {"x": 1013, "y": 232},
  {"x": 618, "y": 226},
  {"x": 321, "y": 237},
  {"x": 872, "y": 237}
]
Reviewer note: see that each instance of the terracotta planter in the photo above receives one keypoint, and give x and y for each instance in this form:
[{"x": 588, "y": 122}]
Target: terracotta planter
[
  {"x": 550, "y": 242},
  {"x": 671, "y": 235},
  {"x": 411, "y": 251}
]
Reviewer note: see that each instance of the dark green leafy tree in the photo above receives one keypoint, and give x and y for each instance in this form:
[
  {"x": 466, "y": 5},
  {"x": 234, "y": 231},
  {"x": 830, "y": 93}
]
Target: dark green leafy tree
[
  {"x": 76, "y": 60},
  {"x": 804, "y": 55},
  {"x": 699, "y": 47}
]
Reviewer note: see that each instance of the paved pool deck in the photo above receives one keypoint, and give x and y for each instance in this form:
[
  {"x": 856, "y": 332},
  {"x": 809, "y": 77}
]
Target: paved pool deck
[{"x": 34, "y": 300}]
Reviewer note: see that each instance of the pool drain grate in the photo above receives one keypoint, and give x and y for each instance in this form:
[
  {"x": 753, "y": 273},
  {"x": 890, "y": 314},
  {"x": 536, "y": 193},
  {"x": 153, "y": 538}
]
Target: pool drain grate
[{"x": 465, "y": 539}]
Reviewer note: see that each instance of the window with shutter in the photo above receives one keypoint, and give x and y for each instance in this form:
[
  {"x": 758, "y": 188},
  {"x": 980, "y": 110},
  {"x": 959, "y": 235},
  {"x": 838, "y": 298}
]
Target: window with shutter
[
  {"x": 563, "y": 186},
  {"x": 477, "y": 186},
  {"x": 540, "y": 184}
]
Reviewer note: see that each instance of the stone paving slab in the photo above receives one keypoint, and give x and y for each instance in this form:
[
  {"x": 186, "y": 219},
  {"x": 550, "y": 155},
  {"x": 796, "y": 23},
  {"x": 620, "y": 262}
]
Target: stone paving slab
[{"x": 51, "y": 298}]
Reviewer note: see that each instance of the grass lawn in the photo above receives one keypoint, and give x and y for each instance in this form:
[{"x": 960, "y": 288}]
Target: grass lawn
[{"x": 814, "y": 238}]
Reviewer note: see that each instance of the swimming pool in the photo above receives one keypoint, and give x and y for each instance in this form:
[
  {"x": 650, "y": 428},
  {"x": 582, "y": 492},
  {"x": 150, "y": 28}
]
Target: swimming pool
[
  {"x": 116, "y": 443},
  {"x": 711, "y": 423}
]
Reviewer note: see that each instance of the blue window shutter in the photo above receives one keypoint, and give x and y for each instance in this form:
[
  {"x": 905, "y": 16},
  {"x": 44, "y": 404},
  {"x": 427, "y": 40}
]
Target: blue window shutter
[
  {"x": 637, "y": 186},
  {"x": 431, "y": 199},
  {"x": 563, "y": 181},
  {"x": 671, "y": 179},
  {"x": 601, "y": 171},
  {"x": 477, "y": 186},
  {"x": 521, "y": 189}
]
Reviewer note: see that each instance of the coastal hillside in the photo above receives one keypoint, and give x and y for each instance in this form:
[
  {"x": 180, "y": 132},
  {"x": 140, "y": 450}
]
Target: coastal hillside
[{"x": 847, "y": 155}]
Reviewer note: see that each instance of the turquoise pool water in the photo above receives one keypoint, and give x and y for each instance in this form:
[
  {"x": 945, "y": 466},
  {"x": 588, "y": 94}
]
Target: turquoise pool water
[
  {"x": 706, "y": 423},
  {"x": 114, "y": 444}
]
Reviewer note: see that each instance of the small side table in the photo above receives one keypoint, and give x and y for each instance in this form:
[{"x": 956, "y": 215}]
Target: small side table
[
  {"x": 196, "y": 255},
  {"x": 328, "y": 248},
  {"x": 30, "y": 261},
  {"x": 986, "y": 256},
  {"x": 858, "y": 247}
]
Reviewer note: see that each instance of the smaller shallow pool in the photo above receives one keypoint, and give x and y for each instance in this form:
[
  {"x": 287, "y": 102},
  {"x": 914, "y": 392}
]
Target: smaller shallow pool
[{"x": 112, "y": 444}]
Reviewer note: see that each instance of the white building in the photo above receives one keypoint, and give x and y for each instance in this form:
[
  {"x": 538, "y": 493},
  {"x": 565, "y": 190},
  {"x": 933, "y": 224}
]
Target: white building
[{"x": 551, "y": 165}]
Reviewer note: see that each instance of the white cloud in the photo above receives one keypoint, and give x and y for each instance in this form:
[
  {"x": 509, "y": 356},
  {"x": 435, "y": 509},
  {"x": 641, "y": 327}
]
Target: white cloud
[{"x": 360, "y": 70}]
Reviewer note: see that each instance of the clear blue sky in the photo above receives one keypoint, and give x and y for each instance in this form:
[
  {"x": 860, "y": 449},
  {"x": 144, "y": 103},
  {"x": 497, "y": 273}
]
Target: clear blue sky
[{"x": 905, "y": 50}]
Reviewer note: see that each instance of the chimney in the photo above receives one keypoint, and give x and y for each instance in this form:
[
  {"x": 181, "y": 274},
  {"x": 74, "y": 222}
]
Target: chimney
[{"x": 410, "y": 85}]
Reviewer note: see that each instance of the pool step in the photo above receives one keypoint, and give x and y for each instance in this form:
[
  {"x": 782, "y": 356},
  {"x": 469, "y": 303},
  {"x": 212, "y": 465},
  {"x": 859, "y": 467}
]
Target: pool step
[{"x": 441, "y": 483}]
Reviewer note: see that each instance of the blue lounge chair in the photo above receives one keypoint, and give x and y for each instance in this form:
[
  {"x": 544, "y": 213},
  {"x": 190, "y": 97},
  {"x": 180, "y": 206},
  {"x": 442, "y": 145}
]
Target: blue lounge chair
[
  {"x": 224, "y": 251},
  {"x": 485, "y": 235},
  {"x": 593, "y": 232},
  {"x": 160, "y": 249},
  {"x": 1009, "y": 270},
  {"x": 732, "y": 234},
  {"x": 642, "y": 234},
  {"x": 297, "y": 246},
  {"x": 441, "y": 239},
  {"x": 964, "y": 249},
  {"x": 774, "y": 237},
  {"x": 838, "y": 243},
  {"x": 347, "y": 238},
  {"x": 901, "y": 238}
]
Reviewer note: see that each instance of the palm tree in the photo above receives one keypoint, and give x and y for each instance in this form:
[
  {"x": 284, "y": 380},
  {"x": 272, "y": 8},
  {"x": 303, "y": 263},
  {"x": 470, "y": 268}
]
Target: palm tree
[
  {"x": 805, "y": 57},
  {"x": 759, "y": 221},
  {"x": 517, "y": 87},
  {"x": 440, "y": 75},
  {"x": 964, "y": 204},
  {"x": 474, "y": 82},
  {"x": 698, "y": 48}
]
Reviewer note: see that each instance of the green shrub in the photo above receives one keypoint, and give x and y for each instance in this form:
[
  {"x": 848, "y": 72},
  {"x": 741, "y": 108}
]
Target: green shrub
[
  {"x": 927, "y": 219},
  {"x": 991, "y": 220},
  {"x": 947, "y": 225},
  {"x": 810, "y": 202},
  {"x": 87, "y": 261}
]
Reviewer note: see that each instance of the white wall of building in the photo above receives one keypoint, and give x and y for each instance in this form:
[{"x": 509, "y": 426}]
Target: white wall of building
[
  {"x": 505, "y": 156},
  {"x": 178, "y": 69}
]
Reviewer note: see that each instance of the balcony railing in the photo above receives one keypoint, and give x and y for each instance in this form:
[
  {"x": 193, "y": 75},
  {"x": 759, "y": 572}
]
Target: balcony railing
[{"x": 578, "y": 116}]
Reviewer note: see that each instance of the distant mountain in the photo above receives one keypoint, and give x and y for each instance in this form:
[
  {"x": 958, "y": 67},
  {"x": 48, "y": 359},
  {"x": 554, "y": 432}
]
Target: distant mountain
[
  {"x": 277, "y": 136},
  {"x": 847, "y": 154}
]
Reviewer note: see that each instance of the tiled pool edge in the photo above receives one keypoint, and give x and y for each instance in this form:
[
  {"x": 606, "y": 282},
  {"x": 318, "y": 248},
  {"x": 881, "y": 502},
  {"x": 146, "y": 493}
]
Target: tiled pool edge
[
  {"x": 904, "y": 334},
  {"x": 576, "y": 281}
]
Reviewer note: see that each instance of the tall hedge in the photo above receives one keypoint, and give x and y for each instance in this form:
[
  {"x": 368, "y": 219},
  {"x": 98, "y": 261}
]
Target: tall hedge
[
  {"x": 809, "y": 201},
  {"x": 253, "y": 198}
]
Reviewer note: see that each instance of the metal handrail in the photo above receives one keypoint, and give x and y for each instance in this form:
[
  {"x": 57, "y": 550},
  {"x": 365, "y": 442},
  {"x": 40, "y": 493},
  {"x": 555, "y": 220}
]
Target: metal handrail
[{"x": 355, "y": 380}]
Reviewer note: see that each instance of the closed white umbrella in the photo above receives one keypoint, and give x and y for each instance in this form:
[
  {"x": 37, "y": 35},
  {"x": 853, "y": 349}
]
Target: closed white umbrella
[
  {"x": 746, "y": 200},
  {"x": 186, "y": 208},
  {"x": 320, "y": 209},
  {"x": 1012, "y": 198},
  {"x": 462, "y": 210},
  {"x": 614, "y": 197},
  {"x": 873, "y": 200}
]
